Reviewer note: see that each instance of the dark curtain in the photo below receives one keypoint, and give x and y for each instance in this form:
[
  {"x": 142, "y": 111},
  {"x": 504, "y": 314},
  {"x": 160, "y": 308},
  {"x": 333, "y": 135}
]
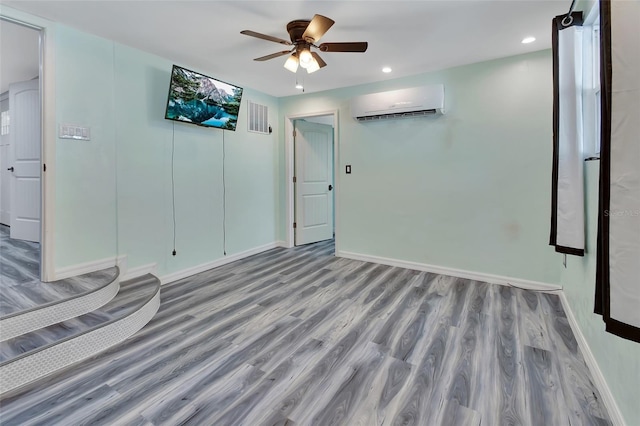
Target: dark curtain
[
  {"x": 614, "y": 255},
  {"x": 567, "y": 181}
]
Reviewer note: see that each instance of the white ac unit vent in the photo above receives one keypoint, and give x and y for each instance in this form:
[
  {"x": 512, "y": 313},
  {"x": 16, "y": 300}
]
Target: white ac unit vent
[
  {"x": 412, "y": 102},
  {"x": 258, "y": 118}
]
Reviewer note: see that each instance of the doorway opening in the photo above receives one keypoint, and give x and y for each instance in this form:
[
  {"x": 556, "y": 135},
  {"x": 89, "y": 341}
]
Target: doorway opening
[
  {"x": 311, "y": 150},
  {"x": 20, "y": 153}
]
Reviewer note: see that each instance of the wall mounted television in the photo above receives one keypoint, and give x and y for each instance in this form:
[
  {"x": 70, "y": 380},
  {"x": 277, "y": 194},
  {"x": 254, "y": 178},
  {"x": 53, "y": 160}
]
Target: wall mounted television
[{"x": 198, "y": 99}]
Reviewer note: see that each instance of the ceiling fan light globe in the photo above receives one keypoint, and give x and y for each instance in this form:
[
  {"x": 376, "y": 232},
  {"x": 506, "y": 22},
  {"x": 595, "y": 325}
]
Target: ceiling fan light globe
[
  {"x": 292, "y": 63},
  {"x": 313, "y": 66},
  {"x": 305, "y": 58}
]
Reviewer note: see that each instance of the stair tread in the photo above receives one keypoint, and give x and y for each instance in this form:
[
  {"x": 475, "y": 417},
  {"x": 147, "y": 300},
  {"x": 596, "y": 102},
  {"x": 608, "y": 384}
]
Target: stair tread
[
  {"x": 18, "y": 297},
  {"x": 132, "y": 295}
]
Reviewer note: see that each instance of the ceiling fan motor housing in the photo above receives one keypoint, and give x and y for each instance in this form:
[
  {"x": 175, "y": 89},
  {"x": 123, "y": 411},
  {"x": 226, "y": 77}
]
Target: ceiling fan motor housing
[{"x": 296, "y": 29}]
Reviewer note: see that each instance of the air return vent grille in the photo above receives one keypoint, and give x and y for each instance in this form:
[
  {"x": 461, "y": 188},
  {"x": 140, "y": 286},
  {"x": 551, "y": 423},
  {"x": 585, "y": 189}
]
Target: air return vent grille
[{"x": 258, "y": 118}]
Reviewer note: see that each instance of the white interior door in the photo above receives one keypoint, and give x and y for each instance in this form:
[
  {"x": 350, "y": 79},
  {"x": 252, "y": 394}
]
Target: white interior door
[
  {"x": 5, "y": 175},
  {"x": 24, "y": 135},
  {"x": 314, "y": 182}
]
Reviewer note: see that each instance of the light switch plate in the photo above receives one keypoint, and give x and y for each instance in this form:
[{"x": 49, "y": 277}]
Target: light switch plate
[{"x": 71, "y": 131}]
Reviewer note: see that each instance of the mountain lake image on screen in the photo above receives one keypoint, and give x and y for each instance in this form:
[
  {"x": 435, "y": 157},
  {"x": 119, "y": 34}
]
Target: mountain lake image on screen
[{"x": 205, "y": 101}]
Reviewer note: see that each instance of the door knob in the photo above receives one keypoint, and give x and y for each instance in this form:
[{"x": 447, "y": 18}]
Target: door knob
[
  {"x": 10, "y": 169},
  {"x": 330, "y": 187}
]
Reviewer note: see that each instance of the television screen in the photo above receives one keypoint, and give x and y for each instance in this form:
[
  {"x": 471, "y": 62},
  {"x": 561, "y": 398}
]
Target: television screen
[{"x": 205, "y": 101}]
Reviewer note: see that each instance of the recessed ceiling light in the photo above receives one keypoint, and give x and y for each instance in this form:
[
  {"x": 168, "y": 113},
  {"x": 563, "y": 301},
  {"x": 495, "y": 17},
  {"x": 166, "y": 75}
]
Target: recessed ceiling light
[
  {"x": 386, "y": 70},
  {"x": 299, "y": 86},
  {"x": 528, "y": 40}
]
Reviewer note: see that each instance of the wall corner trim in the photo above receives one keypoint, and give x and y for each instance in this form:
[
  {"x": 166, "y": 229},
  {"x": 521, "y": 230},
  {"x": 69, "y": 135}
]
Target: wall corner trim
[
  {"x": 614, "y": 412},
  {"x": 175, "y": 276},
  {"x": 460, "y": 273}
]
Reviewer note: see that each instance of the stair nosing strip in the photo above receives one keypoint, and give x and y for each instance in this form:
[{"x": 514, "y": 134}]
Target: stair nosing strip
[
  {"x": 111, "y": 321},
  {"x": 58, "y": 302},
  {"x": 54, "y": 314},
  {"x": 129, "y": 331}
]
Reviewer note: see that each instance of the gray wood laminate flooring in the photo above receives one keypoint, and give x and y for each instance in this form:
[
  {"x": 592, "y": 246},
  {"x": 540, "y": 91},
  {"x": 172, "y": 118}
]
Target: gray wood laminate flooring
[
  {"x": 131, "y": 297},
  {"x": 20, "y": 287},
  {"x": 20, "y": 260},
  {"x": 300, "y": 337}
]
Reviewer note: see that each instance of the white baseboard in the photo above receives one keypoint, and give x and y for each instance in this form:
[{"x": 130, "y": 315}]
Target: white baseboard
[
  {"x": 600, "y": 382},
  {"x": 460, "y": 273},
  {"x": 87, "y": 267},
  {"x": 139, "y": 271},
  {"x": 175, "y": 276},
  {"x": 282, "y": 243}
]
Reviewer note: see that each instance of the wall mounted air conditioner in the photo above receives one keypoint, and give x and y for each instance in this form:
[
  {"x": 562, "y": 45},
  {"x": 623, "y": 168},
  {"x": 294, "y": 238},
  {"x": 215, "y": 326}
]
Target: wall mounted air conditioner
[{"x": 412, "y": 102}]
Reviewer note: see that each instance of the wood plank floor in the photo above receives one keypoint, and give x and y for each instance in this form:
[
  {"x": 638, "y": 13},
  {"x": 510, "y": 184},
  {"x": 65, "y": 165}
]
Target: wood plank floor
[
  {"x": 20, "y": 259},
  {"x": 299, "y": 337},
  {"x": 132, "y": 295},
  {"x": 20, "y": 287}
]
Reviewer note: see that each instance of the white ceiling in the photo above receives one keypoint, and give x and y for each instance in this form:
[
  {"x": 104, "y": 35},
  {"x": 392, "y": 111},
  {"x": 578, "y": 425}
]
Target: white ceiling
[
  {"x": 19, "y": 56},
  {"x": 410, "y": 36}
]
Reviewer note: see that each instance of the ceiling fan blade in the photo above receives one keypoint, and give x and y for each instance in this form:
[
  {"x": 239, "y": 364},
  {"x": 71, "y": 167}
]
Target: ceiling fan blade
[
  {"x": 273, "y": 55},
  {"x": 316, "y": 28},
  {"x": 318, "y": 59},
  {"x": 266, "y": 37},
  {"x": 356, "y": 46}
]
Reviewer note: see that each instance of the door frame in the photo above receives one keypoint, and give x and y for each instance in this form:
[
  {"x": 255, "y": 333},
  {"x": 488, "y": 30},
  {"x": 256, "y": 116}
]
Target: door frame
[
  {"x": 289, "y": 169},
  {"x": 4, "y": 181},
  {"x": 48, "y": 132}
]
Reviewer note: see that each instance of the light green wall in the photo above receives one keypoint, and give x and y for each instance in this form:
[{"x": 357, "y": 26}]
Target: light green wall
[
  {"x": 121, "y": 93},
  {"x": 467, "y": 190},
  {"x": 85, "y": 220},
  {"x": 618, "y": 359},
  {"x": 144, "y": 174}
]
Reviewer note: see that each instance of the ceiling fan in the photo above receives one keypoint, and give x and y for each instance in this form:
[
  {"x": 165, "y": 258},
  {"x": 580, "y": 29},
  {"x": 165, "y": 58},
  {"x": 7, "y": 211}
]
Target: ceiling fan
[{"x": 304, "y": 35}]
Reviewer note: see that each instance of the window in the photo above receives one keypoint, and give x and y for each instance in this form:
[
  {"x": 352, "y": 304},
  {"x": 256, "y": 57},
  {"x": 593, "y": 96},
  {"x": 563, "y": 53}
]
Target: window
[
  {"x": 591, "y": 84},
  {"x": 595, "y": 44},
  {"x": 4, "y": 123}
]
